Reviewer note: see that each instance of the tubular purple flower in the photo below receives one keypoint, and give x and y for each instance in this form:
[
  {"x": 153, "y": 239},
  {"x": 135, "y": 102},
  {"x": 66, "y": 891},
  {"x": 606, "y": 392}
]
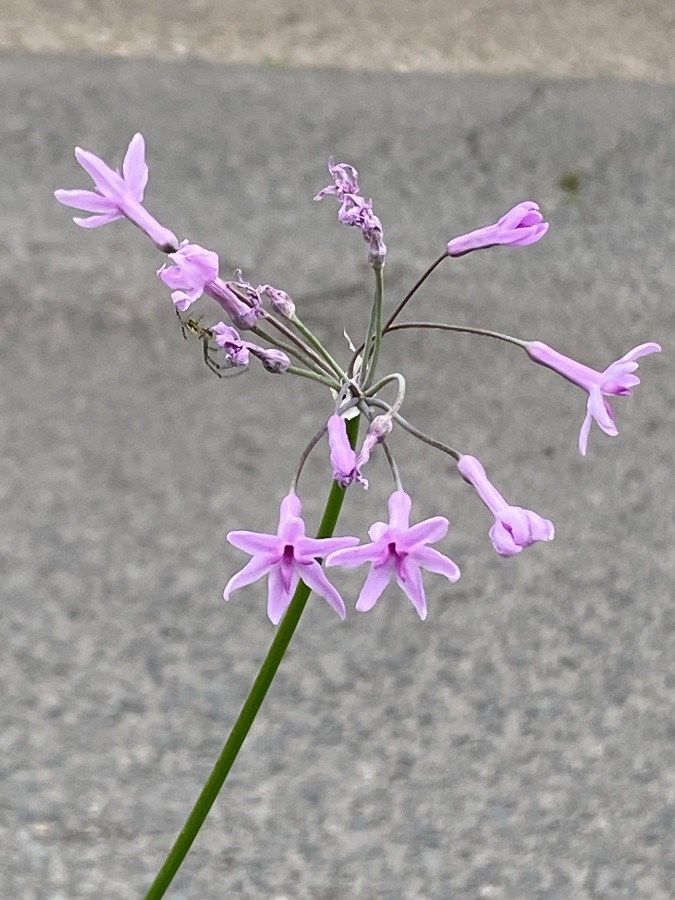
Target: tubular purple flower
[
  {"x": 346, "y": 469},
  {"x": 519, "y": 227},
  {"x": 287, "y": 557},
  {"x": 117, "y": 195},
  {"x": 515, "y": 528},
  {"x": 617, "y": 380},
  {"x": 378, "y": 429},
  {"x": 242, "y": 315},
  {"x": 194, "y": 268},
  {"x": 398, "y": 551}
]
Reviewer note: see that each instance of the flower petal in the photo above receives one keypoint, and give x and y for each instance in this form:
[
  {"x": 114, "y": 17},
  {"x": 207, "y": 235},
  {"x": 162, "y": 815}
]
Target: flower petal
[
  {"x": 89, "y": 201},
  {"x": 409, "y": 579},
  {"x": 107, "y": 181},
  {"x": 374, "y": 585},
  {"x": 601, "y": 411},
  {"x": 427, "y": 532},
  {"x": 354, "y": 556},
  {"x": 253, "y": 570},
  {"x": 640, "y": 350},
  {"x": 400, "y": 505},
  {"x": 503, "y": 541},
  {"x": 134, "y": 167},
  {"x": 313, "y": 576},
  {"x": 583, "y": 434},
  {"x": 254, "y": 542},
  {"x": 309, "y": 548},
  {"x": 279, "y": 594},
  {"x": 290, "y": 506},
  {"x": 97, "y": 221},
  {"x": 434, "y": 561}
]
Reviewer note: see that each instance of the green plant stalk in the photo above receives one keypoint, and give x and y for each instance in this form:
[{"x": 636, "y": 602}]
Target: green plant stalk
[
  {"x": 314, "y": 376},
  {"x": 374, "y": 339},
  {"x": 251, "y": 705},
  {"x": 318, "y": 346}
]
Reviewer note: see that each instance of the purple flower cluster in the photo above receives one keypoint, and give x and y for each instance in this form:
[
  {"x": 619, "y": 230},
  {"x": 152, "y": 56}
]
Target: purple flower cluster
[{"x": 397, "y": 551}]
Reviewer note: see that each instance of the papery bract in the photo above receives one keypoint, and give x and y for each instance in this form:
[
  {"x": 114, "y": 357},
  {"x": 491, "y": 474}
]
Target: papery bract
[
  {"x": 515, "y": 528},
  {"x": 286, "y": 558},
  {"x": 399, "y": 551},
  {"x": 519, "y": 227},
  {"x": 117, "y": 195},
  {"x": 617, "y": 379}
]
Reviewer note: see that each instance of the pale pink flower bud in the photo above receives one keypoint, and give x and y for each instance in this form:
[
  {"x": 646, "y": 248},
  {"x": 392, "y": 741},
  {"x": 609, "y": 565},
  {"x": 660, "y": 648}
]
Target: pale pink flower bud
[{"x": 520, "y": 226}]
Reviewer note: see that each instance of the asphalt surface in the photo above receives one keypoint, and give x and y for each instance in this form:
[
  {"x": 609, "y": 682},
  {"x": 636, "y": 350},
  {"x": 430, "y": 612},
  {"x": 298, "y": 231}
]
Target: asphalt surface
[{"x": 519, "y": 743}]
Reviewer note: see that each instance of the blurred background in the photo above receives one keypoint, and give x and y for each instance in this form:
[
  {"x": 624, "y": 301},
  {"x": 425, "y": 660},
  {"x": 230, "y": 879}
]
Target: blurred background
[
  {"x": 519, "y": 744},
  {"x": 577, "y": 38}
]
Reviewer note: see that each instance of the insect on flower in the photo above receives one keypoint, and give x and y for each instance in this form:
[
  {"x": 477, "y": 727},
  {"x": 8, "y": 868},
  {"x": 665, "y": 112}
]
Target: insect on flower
[{"x": 206, "y": 335}]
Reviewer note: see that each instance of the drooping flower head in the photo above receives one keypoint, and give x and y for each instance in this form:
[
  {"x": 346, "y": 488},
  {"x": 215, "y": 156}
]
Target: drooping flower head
[
  {"x": 515, "y": 528},
  {"x": 617, "y": 380},
  {"x": 355, "y": 210},
  {"x": 286, "y": 558},
  {"x": 193, "y": 268},
  {"x": 117, "y": 195},
  {"x": 519, "y": 227},
  {"x": 399, "y": 551},
  {"x": 345, "y": 178}
]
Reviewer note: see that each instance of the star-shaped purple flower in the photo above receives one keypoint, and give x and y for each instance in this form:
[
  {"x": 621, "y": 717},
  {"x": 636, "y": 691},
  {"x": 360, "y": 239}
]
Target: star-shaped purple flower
[
  {"x": 117, "y": 195},
  {"x": 519, "y": 227},
  {"x": 287, "y": 558},
  {"x": 515, "y": 528},
  {"x": 399, "y": 551},
  {"x": 617, "y": 380}
]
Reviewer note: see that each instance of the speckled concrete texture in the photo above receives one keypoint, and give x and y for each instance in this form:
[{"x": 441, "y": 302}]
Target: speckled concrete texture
[{"x": 518, "y": 744}]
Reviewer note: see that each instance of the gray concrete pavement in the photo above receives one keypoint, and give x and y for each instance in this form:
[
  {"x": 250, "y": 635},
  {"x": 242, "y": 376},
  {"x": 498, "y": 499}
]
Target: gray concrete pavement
[
  {"x": 617, "y": 38},
  {"x": 519, "y": 744}
]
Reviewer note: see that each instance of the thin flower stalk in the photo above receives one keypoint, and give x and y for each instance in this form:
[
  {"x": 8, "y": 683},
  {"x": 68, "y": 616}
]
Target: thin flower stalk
[
  {"x": 251, "y": 707},
  {"x": 460, "y": 329},
  {"x": 374, "y": 337}
]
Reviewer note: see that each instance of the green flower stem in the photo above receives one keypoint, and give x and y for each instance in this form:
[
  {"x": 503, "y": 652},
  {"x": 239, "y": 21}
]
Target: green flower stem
[
  {"x": 251, "y": 705},
  {"x": 374, "y": 339},
  {"x": 318, "y": 346},
  {"x": 463, "y": 329},
  {"x": 314, "y": 376},
  {"x": 304, "y": 353},
  {"x": 413, "y": 290}
]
